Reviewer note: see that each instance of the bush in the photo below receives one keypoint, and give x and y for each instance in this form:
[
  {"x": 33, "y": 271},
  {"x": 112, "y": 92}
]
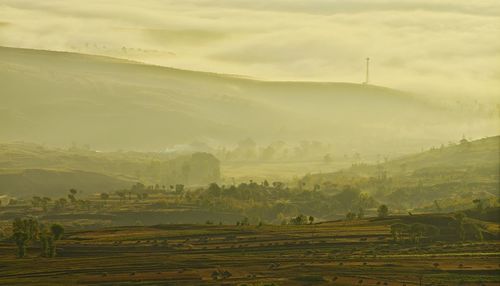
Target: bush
[{"x": 383, "y": 211}]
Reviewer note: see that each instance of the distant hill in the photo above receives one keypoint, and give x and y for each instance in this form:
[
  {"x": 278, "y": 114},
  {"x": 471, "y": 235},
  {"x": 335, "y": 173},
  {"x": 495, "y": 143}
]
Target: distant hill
[
  {"x": 57, "y": 98},
  {"x": 30, "y": 169},
  {"x": 439, "y": 179},
  {"x": 479, "y": 154}
]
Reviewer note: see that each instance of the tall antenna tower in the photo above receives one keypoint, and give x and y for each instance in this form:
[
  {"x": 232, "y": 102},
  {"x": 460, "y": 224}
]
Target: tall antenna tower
[{"x": 367, "y": 70}]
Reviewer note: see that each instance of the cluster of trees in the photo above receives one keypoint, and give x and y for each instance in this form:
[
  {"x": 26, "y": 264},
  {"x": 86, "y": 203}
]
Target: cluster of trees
[
  {"x": 141, "y": 191},
  {"x": 413, "y": 232},
  {"x": 458, "y": 228},
  {"x": 71, "y": 201},
  {"x": 352, "y": 215},
  {"x": 26, "y": 231},
  {"x": 268, "y": 201},
  {"x": 382, "y": 211},
  {"x": 302, "y": 219},
  {"x": 276, "y": 201}
]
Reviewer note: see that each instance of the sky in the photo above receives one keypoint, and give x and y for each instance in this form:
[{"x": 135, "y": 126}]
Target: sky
[{"x": 444, "y": 49}]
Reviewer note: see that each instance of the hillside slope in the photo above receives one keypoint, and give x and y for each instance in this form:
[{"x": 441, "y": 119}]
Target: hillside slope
[
  {"x": 49, "y": 183},
  {"x": 58, "y": 98},
  {"x": 439, "y": 179},
  {"x": 482, "y": 153}
]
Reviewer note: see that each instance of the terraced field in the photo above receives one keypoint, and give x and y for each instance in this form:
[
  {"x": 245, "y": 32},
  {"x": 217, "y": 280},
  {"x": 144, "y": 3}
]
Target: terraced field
[{"x": 332, "y": 253}]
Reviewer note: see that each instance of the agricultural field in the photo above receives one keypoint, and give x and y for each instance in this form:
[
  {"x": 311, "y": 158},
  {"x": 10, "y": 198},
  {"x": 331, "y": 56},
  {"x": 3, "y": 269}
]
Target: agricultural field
[{"x": 360, "y": 252}]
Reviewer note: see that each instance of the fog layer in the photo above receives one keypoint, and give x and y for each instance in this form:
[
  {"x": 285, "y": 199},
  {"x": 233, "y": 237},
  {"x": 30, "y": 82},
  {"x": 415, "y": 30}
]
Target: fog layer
[{"x": 446, "y": 50}]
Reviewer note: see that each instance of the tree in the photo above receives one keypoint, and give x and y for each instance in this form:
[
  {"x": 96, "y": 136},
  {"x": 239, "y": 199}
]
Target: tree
[
  {"x": 45, "y": 244},
  {"x": 138, "y": 187},
  {"x": 179, "y": 188},
  {"x": 350, "y": 216},
  {"x": 48, "y": 240},
  {"x": 300, "y": 219},
  {"x": 214, "y": 190},
  {"x": 72, "y": 195},
  {"x": 383, "y": 211},
  {"x": 24, "y": 231},
  {"x": 311, "y": 219},
  {"x": 60, "y": 204},
  {"x": 57, "y": 231},
  {"x": 21, "y": 240},
  {"x": 104, "y": 196}
]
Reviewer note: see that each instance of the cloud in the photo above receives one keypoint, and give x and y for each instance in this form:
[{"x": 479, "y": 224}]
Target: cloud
[{"x": 441, "y": 49}]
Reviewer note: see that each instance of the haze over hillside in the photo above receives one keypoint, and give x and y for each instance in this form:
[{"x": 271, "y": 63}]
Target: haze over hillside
[
  {"x": 30, "y": 169},
  {"x": 444, "y": 50},
  {"x": 58, "y": 98}
]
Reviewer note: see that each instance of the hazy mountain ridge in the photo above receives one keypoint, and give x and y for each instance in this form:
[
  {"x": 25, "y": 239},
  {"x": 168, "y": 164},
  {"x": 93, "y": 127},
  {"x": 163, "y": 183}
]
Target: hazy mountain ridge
[{"x": 58, "y": 97}]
